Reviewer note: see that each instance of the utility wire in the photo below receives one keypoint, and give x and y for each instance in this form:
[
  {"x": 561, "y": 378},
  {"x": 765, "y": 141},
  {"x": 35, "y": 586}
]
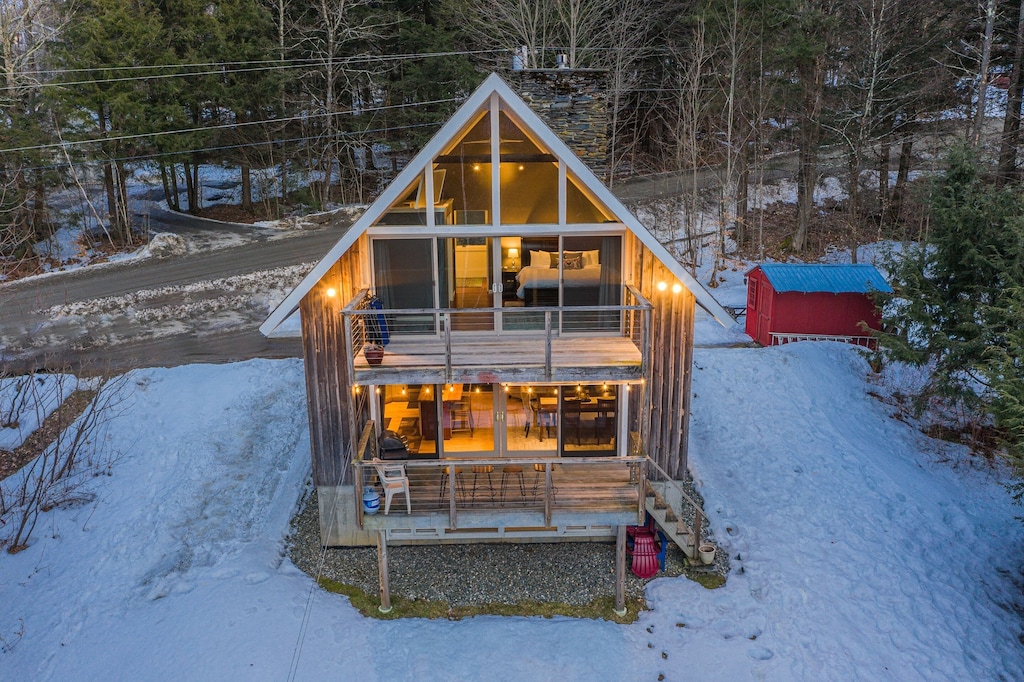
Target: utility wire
[
  {"x": 241, "y": 145},
  {"x": 180, "y": 131},
  {"x": 256, "y": 65}
]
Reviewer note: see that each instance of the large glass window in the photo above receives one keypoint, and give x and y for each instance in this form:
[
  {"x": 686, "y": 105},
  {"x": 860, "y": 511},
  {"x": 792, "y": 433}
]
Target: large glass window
[
  {"x": 589, "y": 415},
  {"x": 404, "y": 278},
  {"x": 412, "y": 419},
  {"x": 591, "y": 275}
]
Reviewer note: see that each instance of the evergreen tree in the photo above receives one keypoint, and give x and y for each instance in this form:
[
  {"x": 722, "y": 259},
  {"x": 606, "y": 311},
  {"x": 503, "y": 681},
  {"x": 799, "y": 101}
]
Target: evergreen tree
[{"x": 958, "y": 305}]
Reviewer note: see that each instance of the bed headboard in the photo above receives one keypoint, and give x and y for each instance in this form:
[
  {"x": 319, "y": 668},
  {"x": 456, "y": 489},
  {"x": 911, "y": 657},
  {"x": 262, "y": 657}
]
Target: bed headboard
[{"x": 537, "y": 244}]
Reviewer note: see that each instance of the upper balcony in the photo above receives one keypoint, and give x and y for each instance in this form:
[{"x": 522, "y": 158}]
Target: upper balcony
[{"x": 537, "y": 344}]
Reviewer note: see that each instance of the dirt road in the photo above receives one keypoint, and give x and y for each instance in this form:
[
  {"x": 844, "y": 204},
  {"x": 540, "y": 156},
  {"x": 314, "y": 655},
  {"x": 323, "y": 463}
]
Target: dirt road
[{"x": 199, "y": 307}]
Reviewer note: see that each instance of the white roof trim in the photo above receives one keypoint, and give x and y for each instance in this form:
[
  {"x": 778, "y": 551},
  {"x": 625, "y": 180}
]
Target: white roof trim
[{"x": 476, "y": 101}]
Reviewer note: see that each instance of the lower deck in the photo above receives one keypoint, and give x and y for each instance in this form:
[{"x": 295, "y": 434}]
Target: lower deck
[{"x": 500, "y": 497}]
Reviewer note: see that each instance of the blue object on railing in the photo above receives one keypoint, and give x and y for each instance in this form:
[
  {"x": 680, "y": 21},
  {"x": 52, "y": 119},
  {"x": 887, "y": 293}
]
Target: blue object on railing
[{"x": 377, "y": 325}]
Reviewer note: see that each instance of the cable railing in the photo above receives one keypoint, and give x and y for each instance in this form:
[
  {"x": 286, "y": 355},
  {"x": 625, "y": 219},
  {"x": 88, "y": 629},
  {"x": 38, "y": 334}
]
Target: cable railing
[
  {"x": 438, "y": 336},
  {"x": 542, "y": 486}
]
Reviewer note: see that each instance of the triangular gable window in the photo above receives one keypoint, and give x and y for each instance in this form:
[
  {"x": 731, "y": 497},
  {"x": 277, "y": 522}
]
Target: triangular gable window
[
  {"x": 467, "y": 169},
  {"x": 582, "y": 207},
  {"x": 464, "y": 173},
  {"x": 529, "y": 178}
]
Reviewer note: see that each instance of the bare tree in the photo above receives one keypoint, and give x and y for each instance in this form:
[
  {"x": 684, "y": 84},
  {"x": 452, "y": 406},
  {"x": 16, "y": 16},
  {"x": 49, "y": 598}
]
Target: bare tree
[
  {"x": 58, "y": 476},
  {"x": 512, "y": 24},
  {"x": 687, "y": 121},
  {"x": 1011, "y": 121},
  {"x": 627, "y": 34},
  {"x": 25, "y": 28},
  {"x": 580, "y": 22},
  {"x": 329, "y": 32},
  {"x": 989, "y": 9}
]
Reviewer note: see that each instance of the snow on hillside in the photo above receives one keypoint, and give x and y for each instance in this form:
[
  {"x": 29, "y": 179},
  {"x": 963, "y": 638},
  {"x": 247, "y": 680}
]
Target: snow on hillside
[{"x": 855, "y": 553}]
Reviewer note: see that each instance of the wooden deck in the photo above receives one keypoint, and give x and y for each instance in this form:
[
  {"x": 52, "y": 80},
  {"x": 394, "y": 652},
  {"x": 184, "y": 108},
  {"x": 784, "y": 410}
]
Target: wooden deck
[
  {"x": 580, "y": 494},
  {"x": 504, "y": 358}
]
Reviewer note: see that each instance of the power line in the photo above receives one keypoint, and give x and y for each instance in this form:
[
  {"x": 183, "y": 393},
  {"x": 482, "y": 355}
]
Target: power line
[
  {"x": 263, "y": 65},
  {"x": 241, "y": 145},
  {"x": 162, "y": 133}
]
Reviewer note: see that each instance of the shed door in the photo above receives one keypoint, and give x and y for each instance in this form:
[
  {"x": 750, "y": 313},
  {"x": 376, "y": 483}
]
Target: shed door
[{"x": 764, "y": 314}]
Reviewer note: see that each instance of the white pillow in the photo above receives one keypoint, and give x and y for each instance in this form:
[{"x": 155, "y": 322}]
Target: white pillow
[
  {"x": 591, "y": 257},
  {"x": 540, "y": 259}
]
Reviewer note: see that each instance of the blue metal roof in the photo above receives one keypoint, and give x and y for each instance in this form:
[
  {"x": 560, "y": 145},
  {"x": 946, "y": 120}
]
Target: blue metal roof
[{"x": 836, "y": 279}]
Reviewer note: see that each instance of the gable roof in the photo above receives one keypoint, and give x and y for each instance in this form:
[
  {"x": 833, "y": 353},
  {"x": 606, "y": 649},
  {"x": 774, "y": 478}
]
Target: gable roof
[
  {"x": 530, "y": 120},
  {"x": 859, "y": 278}
]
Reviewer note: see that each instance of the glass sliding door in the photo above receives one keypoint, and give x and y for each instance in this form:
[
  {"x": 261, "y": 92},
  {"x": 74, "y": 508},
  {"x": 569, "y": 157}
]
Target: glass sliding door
[
  {"x": 531, "y": 419},
  {"x": 465, "y": 269},
  {"x": 591, "y": 276},
  {"x": 403, "y": 275},
  {"x": 589, "y": 414}
]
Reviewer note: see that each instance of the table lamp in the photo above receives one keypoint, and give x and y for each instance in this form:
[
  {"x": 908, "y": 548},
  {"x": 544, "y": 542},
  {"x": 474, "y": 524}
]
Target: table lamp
[{"x": 513, "y": 254}]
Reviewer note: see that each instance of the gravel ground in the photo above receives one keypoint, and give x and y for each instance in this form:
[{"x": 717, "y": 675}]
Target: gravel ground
[{"x": 475, "y": 574}]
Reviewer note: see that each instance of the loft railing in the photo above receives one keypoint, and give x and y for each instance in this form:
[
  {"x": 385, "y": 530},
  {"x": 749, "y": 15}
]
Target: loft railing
[{"x": 449, "y": 326}]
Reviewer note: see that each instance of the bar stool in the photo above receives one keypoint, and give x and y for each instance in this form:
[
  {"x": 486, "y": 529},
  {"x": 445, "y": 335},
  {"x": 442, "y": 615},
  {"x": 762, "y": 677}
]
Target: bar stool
[
  {"x": 509, "y": 472},
  {"x": 538, "y": 477},
  {"x": 487, "y": 470},
  {"x": 460, "y": 485}
]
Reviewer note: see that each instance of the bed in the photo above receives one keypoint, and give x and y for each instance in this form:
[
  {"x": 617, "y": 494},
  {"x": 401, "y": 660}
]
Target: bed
[{"x": 580, "y": 276}]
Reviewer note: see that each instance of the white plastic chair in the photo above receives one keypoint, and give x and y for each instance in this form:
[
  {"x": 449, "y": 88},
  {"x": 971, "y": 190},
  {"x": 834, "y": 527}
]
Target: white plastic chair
[{"x": 394, "y": 480}]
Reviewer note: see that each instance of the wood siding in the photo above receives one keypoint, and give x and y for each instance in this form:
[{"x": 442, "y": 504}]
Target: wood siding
[
  {"x": 664, "y": 424},
  {"x": 336, "y": 413}
]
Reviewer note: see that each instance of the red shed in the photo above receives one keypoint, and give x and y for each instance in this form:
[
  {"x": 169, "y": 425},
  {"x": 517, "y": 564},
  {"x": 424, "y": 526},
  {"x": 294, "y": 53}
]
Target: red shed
[{"x": 787, "y": 302}]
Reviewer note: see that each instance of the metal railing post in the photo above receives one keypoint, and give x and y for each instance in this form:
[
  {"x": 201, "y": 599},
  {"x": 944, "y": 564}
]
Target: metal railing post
[
  {"x": 547, "y": 344},
  {"x": 446, "y": 321}
]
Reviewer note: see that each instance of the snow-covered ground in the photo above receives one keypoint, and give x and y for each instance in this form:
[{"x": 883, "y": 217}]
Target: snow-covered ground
[{"x": 858, "y": 550}]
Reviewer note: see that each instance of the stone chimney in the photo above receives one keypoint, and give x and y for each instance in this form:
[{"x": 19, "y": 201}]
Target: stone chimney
[{"x": 574, "y": 104}]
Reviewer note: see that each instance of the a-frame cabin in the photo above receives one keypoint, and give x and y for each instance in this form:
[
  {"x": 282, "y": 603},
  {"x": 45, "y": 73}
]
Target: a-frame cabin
[{"x": 539, "y": 344}]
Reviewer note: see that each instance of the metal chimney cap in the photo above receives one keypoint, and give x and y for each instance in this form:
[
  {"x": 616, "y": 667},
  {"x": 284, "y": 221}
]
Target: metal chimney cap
[{"x": 562, "y": 61}]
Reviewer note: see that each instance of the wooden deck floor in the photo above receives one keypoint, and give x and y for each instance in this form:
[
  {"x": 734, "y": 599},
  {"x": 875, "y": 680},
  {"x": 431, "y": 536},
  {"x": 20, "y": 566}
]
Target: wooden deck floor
[
  {"x": 506, "y": 358},
  {"x": 579, "y": 488}
]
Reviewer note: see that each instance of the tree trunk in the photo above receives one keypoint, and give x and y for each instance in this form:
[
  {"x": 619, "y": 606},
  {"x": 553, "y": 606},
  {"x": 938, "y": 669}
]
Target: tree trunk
[
  {"x": 124, "y": 226},
  {"x": 1011, "y": 122},
  {"x": 986, "y": 51},
  {"x": 190, "y": 187},
  {"x": 884, "y": 150},
  {"x": 166, "y": 184},
  {"x": 108, "y": 173},
  {"x": 174, "y": 188},
  {"x": 812, "y": 77},
  {"x": 246, "y": 188},
  {"x": 896, "y": 207},
  {"x": 741, "y": 233}
]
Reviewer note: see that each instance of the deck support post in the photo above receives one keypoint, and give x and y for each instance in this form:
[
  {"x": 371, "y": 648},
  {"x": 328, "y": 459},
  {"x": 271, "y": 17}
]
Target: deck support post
[
  {"x": 382, "y": 573},
  {"x": 620, "y": 571},
  {"x": 547, "y": 493}
]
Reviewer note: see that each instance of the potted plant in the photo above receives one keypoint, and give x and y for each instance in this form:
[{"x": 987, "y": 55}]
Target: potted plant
[{"x": 374, "y": 353}]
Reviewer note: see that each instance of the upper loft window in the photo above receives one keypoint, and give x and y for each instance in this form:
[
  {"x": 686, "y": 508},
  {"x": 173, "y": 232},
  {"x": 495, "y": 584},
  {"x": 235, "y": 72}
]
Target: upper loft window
[
  {"x": 581, "y": 206},
  {"x": 495, "y": 151}
]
